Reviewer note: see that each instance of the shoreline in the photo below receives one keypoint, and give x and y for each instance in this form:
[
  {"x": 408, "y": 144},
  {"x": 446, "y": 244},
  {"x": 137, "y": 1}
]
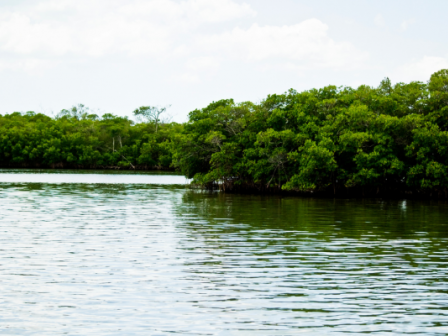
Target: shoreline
[
  {"x": 338, "y": 193},
  {"x": 90, "y": 167}
]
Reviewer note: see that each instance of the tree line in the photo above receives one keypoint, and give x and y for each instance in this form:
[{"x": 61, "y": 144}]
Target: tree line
[
  {"x": 77, "y": 138},
  {"x": 385, "y": 140}
]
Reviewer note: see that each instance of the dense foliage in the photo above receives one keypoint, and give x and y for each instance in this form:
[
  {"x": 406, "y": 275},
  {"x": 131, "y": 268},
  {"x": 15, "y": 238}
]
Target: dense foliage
[
  {"x": 389, "y": 140},
  {"x": 77, "y": 139},
  {"x": 336, "y": 140}
]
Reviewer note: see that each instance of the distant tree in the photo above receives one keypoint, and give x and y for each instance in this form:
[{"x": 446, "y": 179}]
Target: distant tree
[
  {"x": 79, "y": 112},
  {"x": 151, "y": 114}
]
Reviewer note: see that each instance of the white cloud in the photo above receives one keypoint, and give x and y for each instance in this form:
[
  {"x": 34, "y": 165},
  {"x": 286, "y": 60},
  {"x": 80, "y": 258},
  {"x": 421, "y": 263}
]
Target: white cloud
[
  {"x": 55, "y": 31},
  {"x": 198, "y": 11},
  {"x": 420, "y": 70},
  {"x": 379, "y": 21},
  {"x": 307, "y": 44},
  {"x": 186, "y": 77},
  {"x": 406, "y": 23},
  {"x": 203, "y": 63},
  {"x": 215, "y": 11},
  {"x": 101, "y": 27},
  {"x": 29, "y": 65},
  {"x": 196, "y": 68}
]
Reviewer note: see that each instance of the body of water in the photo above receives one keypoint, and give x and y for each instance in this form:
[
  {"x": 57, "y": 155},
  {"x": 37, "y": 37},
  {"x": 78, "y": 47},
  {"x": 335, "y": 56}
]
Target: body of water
[{"x": 119, "y": 253}]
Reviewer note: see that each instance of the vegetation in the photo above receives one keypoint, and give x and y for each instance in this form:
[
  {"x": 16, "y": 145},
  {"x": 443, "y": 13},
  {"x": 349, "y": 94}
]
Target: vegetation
[
  {"x": 77, "y": 139},
  {"x": 389, "y": 140}
]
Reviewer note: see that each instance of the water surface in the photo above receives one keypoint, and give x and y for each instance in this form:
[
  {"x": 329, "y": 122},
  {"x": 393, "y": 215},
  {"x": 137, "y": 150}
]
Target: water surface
[
  {"x": 89, "y": 176},
  {"x": 160, "y": 259}
]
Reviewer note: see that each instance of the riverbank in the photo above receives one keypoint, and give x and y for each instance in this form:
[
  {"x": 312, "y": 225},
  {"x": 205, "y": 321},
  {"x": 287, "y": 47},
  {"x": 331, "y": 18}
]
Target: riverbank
[
  {"x": 337, "y": 193},
  {"x": 67, "y": 166}
]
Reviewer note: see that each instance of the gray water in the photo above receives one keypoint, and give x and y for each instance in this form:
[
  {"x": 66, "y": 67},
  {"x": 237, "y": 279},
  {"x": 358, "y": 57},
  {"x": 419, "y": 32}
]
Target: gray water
[{"x": 156, "y": 258}]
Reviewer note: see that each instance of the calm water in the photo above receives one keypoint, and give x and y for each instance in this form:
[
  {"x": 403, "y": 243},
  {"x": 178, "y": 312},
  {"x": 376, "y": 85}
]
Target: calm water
[{"x": 160, "y": 259}]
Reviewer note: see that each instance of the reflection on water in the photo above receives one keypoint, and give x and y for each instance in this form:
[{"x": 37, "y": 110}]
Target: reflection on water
[
  {"x": 82, "y": 259},
  {"x": 89, "y": 176}
]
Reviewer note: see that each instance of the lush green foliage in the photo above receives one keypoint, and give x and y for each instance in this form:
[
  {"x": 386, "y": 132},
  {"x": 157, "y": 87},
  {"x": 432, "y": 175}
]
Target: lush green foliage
[
  {"x": 336, "y": 139},
  {"x": 75, "y": 138},
  {"x": 384, "y": 140}
]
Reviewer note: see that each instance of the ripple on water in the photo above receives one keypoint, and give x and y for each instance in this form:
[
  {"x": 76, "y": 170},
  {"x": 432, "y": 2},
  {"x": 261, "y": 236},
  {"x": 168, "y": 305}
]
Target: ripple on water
[{"x": 81, "y": 259}]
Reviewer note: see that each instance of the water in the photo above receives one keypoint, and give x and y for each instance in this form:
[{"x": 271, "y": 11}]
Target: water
[
  {"x": 160, "y": 259},
  {"x": 89, "y": 177}
]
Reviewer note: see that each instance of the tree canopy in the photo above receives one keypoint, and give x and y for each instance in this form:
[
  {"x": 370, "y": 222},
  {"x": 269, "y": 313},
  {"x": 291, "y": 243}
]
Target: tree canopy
[
  {"x": 76, "y": 138},
  {"x": 390, "y": 139},
  {"x": 385, "y": 140}
]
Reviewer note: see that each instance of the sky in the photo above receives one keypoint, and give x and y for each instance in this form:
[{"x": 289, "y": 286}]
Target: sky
[{"x": 116, "y": 55}]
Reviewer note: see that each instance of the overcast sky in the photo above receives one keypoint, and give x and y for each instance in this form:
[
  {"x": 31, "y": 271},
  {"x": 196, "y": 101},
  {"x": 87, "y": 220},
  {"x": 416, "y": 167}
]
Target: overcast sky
[{"x": 117, "y": 55}]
